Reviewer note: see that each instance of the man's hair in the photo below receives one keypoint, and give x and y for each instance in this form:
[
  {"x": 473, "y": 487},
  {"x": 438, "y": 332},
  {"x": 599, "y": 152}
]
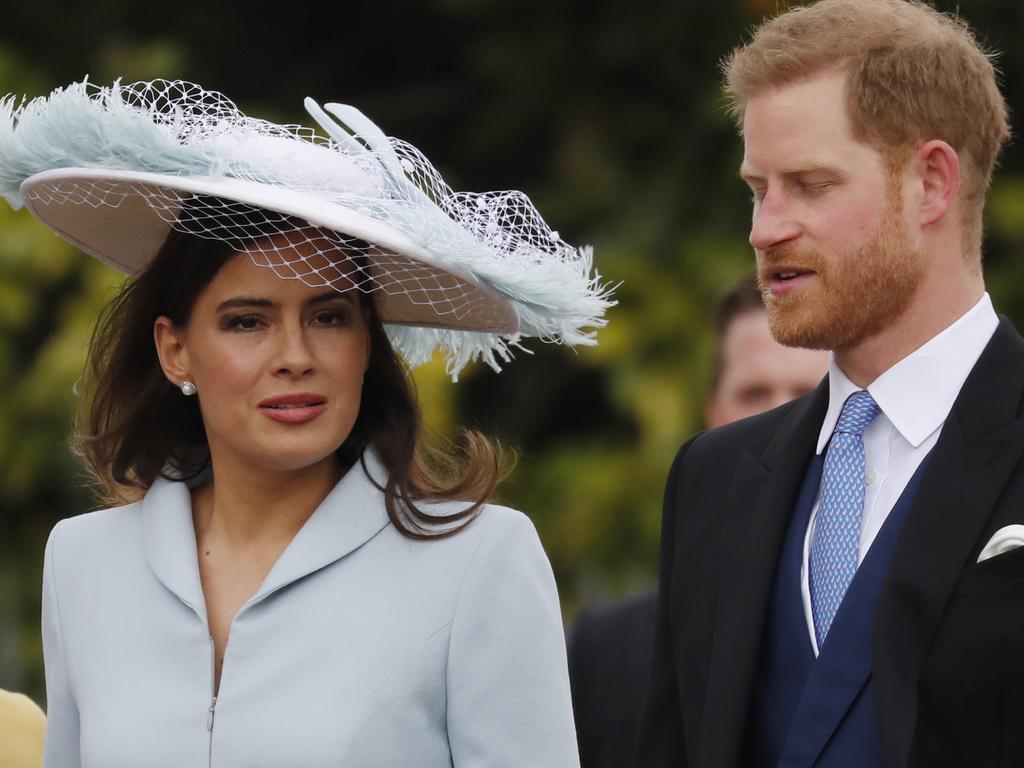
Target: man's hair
[
  {"x": 742, "y": 298},
  {"x": 914, "y": 74}
]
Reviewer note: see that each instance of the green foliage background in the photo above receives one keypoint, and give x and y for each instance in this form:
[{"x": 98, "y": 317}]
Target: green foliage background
[{"x": 606, "y": 112}]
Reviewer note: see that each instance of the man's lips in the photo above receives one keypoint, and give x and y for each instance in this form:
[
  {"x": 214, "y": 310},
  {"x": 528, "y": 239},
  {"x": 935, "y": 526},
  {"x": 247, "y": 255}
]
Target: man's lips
[
  {"x": 786, "y": 279},
  {"x": 294, "y": 408}
]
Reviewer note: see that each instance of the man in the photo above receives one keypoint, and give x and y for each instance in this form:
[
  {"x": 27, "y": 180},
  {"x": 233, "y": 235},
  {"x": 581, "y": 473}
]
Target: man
[
  {"x": 841, "y": 577},
  {"x": 610, "y": 645},
  {"x": 752, "y": 372}
]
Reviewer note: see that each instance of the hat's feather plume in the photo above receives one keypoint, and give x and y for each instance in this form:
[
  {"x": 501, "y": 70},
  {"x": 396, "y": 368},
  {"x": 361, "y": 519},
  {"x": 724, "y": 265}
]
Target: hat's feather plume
[{"x": 178, "y": 128}]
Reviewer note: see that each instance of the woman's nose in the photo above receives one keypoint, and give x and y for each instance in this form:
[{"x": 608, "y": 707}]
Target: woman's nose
[{"x": 293, "y": 355}]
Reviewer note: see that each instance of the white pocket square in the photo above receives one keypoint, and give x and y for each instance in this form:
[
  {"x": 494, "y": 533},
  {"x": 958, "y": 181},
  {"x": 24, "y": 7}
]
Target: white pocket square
[{"x": 1005, "y": 539}]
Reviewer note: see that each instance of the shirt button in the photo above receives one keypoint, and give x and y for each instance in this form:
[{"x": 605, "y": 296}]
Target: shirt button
[{"x": 870, "y": 476}]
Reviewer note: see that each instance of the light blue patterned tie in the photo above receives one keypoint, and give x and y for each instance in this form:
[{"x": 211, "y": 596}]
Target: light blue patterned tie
[{"x": 835, "y": 543}]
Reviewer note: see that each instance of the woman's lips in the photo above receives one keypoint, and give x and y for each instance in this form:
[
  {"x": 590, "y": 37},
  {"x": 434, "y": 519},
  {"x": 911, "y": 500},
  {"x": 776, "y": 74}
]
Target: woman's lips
[{"x": 293, "y": 408}]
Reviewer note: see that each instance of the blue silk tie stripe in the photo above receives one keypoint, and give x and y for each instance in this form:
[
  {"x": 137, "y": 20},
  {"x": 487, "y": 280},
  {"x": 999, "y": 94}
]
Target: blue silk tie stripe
[{"x": 835, "y": 543}]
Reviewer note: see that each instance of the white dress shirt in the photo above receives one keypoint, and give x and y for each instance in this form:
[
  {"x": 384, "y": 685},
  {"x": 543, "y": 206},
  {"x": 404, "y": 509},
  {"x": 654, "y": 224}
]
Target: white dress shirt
[{"x": 915, "y": 396}]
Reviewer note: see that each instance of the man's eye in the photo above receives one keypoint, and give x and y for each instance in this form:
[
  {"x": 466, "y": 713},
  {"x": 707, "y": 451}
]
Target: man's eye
[
  {"x": 817, "y": 187},
  {"x": 753, "y": 395}
]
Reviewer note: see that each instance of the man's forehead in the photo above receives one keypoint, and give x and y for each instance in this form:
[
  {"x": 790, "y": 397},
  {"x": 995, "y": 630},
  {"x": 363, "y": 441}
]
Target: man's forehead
[
  {"x": 799, "y": 166},
  {"x": 800, "y": 127}
]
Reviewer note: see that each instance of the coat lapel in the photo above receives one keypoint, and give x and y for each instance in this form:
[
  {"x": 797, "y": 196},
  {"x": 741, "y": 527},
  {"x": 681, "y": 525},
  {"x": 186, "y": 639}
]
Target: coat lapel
[
  {"x": 169, "y": 540},
  {"x": 979, "y": 448},
  {"x": 764, "y": 491},
  {"x": 351, "y": 514}
]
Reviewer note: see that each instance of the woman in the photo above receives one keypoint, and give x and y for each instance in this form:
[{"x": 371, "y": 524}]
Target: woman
[{"x": 296, "y": 579}]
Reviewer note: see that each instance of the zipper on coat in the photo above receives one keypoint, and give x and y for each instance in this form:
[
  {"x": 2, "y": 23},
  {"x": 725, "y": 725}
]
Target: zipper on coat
[{"x": 213, "y": 702}]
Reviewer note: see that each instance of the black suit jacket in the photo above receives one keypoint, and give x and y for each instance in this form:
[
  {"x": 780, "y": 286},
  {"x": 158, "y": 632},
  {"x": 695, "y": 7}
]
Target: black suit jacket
[
  {"x": 949, "y": 633},
  {"x": 609, "y": 660}
]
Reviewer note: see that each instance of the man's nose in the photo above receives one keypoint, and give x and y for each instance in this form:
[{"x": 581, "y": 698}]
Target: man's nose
[{"x": 773, "y": 222}]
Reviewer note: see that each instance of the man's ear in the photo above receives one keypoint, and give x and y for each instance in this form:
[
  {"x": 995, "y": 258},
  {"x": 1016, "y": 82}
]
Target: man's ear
[
  {"x": 937, "y": 169},
  {"x": 170, "y": 350}
]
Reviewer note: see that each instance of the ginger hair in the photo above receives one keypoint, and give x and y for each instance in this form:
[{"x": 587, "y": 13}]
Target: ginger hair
[{"x": 913, "y": 74}]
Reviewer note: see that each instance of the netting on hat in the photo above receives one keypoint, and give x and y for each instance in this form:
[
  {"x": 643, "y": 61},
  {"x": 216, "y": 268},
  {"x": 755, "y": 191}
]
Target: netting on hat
[
  {"x": 413, "y": 292},
  {"x": 451, "y": 263}
]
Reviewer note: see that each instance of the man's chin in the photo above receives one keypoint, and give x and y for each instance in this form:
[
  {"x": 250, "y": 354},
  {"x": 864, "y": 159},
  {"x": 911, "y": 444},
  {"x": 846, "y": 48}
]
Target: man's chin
[{"x": 793, "y": 328}]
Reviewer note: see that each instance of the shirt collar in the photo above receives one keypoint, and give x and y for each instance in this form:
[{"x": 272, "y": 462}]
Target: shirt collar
[{"x": 917, "y": 393}]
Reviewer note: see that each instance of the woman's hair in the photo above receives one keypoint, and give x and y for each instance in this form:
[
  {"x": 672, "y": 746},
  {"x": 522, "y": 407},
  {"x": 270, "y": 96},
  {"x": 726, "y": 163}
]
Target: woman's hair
[{"x": 135, "y": 426}]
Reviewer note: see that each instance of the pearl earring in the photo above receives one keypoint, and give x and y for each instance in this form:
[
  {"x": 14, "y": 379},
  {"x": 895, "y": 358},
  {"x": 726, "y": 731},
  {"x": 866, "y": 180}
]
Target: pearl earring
[{"x": 188, "y": 388}]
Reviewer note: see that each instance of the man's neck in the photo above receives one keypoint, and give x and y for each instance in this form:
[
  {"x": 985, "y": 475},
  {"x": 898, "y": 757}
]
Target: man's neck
[{"x": 930, "y": 313}]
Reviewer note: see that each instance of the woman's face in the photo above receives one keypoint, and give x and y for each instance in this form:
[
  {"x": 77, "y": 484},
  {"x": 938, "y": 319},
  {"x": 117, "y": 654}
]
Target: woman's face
[{"x": 278, "y": 365}]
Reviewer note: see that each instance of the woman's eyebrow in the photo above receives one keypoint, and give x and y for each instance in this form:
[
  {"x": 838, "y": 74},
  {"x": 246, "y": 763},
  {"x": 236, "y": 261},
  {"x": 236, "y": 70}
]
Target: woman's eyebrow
[
  {"x": 253, "y": 301},
  {"x": 331, "y": 295},
  {"x": 245, "y": 301}
]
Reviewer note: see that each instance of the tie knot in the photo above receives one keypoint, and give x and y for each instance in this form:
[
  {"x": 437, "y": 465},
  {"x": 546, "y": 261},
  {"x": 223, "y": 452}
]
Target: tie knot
[{"x": 859, "y": 410}]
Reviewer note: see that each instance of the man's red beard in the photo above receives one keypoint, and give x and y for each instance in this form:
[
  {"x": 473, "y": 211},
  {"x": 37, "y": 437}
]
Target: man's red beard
[{"x": 853, "y": 294}]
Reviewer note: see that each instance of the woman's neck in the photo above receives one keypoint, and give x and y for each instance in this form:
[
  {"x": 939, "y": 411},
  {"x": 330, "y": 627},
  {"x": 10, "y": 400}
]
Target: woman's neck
[{"x": 245, "y": 507}]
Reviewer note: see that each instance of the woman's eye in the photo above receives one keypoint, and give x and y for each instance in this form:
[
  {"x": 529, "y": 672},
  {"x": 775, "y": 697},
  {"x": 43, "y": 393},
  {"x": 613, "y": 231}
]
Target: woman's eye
[
  {"x": 243, "y": 322},
  {"x": 331, "y": 317}
]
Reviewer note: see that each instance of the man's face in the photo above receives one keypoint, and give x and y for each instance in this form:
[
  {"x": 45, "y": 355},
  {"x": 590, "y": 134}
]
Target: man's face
[
  {"x": 835, "y": 258},
  {"x": 758, "y": 373}
]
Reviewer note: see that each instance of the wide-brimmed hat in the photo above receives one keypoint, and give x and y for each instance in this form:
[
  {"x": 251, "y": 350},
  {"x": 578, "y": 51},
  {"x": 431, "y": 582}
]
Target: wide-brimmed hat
[{"x": 114, "y": 170}]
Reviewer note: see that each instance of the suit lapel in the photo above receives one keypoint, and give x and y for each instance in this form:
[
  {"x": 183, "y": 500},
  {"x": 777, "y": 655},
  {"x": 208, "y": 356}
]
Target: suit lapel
[
  {"x": 979, "y": 448},
  {"x": 764, "y": 490}
]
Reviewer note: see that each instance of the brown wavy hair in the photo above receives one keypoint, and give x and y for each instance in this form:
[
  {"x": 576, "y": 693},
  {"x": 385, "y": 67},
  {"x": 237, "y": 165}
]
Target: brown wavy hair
[{"x": 135, "y": 426}]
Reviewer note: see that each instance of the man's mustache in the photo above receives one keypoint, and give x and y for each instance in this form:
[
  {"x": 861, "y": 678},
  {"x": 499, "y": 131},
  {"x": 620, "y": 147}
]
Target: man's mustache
[{"x": 790, "y": 257}]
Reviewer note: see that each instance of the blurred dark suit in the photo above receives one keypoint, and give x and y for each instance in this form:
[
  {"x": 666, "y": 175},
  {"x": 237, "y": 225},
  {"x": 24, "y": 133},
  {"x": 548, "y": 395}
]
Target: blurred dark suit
[{"x": 610, "y": 652}]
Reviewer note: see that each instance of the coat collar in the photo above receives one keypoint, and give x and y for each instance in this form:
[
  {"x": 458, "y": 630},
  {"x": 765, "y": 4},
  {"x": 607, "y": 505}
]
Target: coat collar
[{"x": 351, "y": 514}]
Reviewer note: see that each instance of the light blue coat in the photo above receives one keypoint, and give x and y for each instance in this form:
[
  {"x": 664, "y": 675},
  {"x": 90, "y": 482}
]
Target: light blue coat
[{"x": 362, "y": 647}]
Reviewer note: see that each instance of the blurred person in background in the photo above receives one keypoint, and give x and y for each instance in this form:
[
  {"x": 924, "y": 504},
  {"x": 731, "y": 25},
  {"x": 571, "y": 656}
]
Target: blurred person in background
[
  {"x": 610, "y": 645},
  {"x": 22, "y": 731},
  {"x": 842, "y": 577},
  {"x": 292, "y": 573}
]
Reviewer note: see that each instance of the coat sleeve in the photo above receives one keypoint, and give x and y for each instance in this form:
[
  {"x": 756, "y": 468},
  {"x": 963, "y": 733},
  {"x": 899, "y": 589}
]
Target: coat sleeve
[
  {"x": 508, "y": 686},
  {"x": 661, "y": 743},
  {"x": 62, "y": 727}
]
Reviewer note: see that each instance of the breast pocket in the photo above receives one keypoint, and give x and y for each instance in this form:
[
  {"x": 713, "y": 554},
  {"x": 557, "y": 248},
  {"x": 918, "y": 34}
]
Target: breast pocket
[
  {"x": 973, "y": 665},
  {"x": 1000, "y": 571}
]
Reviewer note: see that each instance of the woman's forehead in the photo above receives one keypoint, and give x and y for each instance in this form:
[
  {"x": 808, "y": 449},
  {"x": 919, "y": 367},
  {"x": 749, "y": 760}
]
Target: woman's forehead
[{"x": 292, "y": 274}]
